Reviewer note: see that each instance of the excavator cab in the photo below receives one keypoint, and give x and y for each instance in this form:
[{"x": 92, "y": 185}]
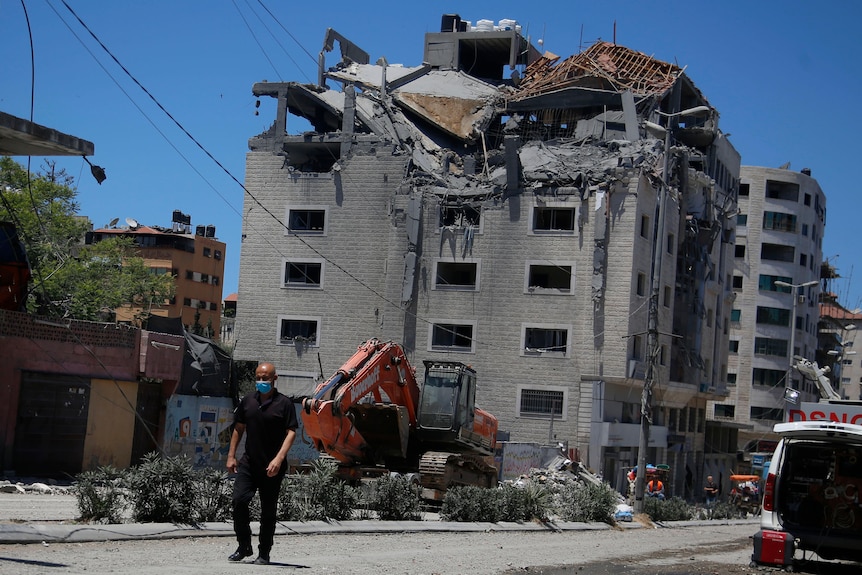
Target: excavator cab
[
  {"x": 447, "y": 408},
  {"x": 442, "y": 407}
]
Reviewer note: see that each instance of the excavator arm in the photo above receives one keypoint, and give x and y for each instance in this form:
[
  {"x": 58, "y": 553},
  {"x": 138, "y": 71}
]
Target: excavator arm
[{"x": 366, "y": 409}]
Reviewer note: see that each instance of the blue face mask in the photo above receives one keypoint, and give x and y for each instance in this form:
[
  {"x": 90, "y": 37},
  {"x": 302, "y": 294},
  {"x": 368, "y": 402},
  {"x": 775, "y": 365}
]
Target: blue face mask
[{"x": 263, "y": 386}]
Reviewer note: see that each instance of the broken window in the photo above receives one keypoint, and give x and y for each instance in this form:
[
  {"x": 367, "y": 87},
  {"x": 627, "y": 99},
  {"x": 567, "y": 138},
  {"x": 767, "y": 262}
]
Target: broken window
[
  {"x": 776, "y": 252},
  {"x": 553, "y": 278},
  {"x": 641, "y": 284},
  {"x": 217, "y": 254},
  {"x": 306, "y": 220},
  {"x": 553, "y": 219},
  {"x": 551, "y": 341},
  {"x": 303, "y": 274},
  {"x": 297, "y": 330},
  {"x": 739, "y": 251},
  {"x": 637, "y": 348},
  {"x": 452, "y": 337},
  {"x": 770, "y": 346},
  {"x": 207, "y": 252},
  {"x": 456, "y": 275},
  {"x": 779, "y": 222},
  {"x": 773, "y": 316},
  {"x": 782, "y": 190},
  {"x": 311, "y": 156},
  {"x": 743, "y": 189},
  {"x": 459, "y": 216},
  {"x": 544, "y": 402}
]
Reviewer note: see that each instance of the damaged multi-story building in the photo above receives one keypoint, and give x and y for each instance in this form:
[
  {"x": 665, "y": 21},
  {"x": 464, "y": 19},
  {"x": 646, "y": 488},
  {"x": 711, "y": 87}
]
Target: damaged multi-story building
[{"x": 499, "y": 207}]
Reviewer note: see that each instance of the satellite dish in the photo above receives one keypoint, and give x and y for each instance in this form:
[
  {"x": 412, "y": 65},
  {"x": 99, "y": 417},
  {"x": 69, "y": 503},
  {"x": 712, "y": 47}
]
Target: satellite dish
[
  {"x": 113, "y": 222},
  {"x": 132, "y": 222}
]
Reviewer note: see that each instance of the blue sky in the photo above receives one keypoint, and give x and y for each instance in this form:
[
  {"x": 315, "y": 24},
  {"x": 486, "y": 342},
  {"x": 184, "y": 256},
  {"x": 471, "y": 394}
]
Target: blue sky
[{"x": 784, "y": 75}]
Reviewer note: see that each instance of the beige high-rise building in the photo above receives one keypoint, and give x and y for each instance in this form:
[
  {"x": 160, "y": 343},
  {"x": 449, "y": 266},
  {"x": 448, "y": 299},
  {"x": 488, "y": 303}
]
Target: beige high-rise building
[{"x": 779, "y": 235}]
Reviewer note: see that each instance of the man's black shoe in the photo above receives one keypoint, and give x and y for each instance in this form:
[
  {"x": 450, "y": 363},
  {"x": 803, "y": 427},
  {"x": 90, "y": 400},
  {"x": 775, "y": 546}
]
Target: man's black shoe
[
  {"x": 240, "y": 554},
  {"x": 262, "y": 560}
]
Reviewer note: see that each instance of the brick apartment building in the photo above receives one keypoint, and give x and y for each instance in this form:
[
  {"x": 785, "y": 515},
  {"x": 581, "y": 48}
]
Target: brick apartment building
[
  {"x": 195, "y": 260},
  {"x": 499, "y": 207}
]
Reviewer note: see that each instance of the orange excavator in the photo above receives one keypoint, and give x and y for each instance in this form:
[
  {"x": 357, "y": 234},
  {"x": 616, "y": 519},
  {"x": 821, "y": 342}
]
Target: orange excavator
[{"x": 372, "y": 416}]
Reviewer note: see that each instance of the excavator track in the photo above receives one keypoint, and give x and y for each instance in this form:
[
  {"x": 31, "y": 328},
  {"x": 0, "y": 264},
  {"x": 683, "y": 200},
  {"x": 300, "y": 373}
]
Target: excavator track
[{"x": 440, "y": 470}]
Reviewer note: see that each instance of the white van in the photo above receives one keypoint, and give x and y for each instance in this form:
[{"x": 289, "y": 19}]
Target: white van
[{"x": 811, "y": 498}]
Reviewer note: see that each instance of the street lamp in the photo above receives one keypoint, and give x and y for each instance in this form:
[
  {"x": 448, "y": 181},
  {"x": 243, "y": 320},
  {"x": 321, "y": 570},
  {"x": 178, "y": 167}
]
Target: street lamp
[
  {"x": 655, "y": 286},
  {"x": 788, "y": 379}
]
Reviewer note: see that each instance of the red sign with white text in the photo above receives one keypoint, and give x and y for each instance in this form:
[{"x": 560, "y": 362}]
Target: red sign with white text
[{"x": 835, "y": 412}]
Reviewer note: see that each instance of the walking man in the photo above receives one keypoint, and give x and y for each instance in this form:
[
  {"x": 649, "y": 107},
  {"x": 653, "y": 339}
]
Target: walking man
[
  {"x": 710, "y": 490},
  {"x": 267, "y": 418}
]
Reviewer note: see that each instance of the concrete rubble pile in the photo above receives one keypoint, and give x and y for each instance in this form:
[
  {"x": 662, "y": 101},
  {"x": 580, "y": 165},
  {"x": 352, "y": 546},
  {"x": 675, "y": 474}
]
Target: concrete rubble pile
[{"x": 36, "y": 487}]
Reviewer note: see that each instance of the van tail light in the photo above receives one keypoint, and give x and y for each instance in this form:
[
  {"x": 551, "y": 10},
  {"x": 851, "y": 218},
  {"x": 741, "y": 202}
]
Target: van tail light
[{"x": 769, "y": 493}]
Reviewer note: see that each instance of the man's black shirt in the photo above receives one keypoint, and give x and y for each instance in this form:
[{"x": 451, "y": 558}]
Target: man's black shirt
[{"x": 266, "y": 425}]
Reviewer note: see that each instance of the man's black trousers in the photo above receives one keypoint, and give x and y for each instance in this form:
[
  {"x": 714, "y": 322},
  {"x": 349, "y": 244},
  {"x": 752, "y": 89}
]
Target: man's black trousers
[{"x": 244, "y": 487}]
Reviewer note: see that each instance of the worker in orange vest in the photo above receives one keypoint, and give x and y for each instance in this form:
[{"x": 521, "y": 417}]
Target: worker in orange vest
[{"x": 655, "y": 488}]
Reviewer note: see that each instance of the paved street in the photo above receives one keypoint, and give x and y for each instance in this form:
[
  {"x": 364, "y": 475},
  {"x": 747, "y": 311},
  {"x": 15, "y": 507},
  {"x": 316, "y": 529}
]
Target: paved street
[{"x": 429, "y": 547}]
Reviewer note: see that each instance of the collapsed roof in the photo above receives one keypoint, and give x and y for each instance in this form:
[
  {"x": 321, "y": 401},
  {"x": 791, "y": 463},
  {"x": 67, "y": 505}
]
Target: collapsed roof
[{"x": 453, "y": 118}]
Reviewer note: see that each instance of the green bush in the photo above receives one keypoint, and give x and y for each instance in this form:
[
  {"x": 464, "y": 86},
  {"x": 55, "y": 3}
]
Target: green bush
[
  {"x": 525, "y": 503},
  {"x": 586, "y": 502},
  {"x": 213, "y": 495},
  {"x": 100, "y": 495},
  {"x": 317, "y": 495},
  {"x": 673, "y": 509},
  {"x": 470, "y": 503},
  {"x": 395, "y": 498},
  {"x": 162, "y": 490}
]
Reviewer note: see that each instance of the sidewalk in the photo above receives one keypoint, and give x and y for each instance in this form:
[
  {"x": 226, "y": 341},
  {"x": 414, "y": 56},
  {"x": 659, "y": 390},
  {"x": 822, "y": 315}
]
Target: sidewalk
[
  {"x": 76, "y": 533},
  {"x": 49, "y": 519}
]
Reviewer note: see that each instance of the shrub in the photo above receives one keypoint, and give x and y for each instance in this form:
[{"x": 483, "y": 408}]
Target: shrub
[
  {"x": 317, "y": 495},
  {"x": 213, "y": 495},
  {"x": 162, "y": 489},
  {"x": 470, "y": 503},
  {"x": 525, "y": 503},
  {"x": 673, "y": 509},
  {"x": 100, "y": 495},
  {"x": 586, "y": 502},
  {"x": 395, "y": 498}
]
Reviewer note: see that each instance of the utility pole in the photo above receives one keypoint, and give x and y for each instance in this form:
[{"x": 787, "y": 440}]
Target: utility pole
[{"x": 653, "y": 348}]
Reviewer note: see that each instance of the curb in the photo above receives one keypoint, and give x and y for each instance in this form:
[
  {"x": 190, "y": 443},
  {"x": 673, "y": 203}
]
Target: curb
[{"x": 24, "y": 533}]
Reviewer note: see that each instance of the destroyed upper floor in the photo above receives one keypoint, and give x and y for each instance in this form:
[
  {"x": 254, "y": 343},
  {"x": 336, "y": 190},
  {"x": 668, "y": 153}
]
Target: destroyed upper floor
[{"x": 481, "y": 86}]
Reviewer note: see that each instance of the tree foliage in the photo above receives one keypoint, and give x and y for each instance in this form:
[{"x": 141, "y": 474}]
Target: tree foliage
[{"x": 71, "y": 279}]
